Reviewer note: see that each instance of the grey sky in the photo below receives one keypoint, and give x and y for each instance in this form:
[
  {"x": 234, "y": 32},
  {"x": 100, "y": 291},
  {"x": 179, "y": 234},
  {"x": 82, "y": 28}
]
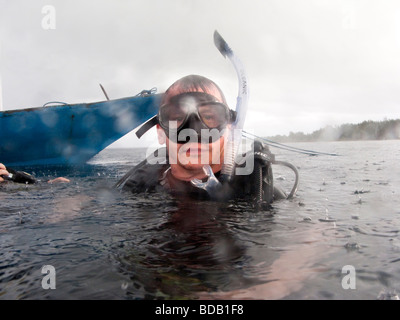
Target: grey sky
[{"x": 310, "y": 63}]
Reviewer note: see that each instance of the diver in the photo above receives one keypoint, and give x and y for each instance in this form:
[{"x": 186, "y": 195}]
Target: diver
[
  {"x": 9, "y": 174},
  {"x": 190, "y": 109}
]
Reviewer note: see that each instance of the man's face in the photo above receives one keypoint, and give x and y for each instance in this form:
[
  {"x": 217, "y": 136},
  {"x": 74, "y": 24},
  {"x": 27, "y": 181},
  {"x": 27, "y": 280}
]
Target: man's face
[{"x": 194, "y": 125}]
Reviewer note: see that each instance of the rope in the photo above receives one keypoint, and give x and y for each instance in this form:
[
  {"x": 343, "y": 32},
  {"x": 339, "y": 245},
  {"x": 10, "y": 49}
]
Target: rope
[
  {"x": 296, "y": 183},
  {"x": 286, "y": 147},
  {"x": 58, "y": 102},
  {"x": 145, "y": 93}
]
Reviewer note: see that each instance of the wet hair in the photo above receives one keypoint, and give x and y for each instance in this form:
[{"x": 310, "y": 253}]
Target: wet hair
[{"x": 192, "y": 83}]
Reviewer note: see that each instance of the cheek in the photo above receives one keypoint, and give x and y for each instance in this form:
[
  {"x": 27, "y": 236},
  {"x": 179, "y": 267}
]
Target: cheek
[
  {"x": 172, "y": 149},
  {"x": 221, "y": 143},
  {"x": 218, "y": 146},
  {"x": 171, "y": 146}
]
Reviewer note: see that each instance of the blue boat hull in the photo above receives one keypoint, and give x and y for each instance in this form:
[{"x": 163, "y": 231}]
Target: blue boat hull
[{"x": 69, "y": 134}]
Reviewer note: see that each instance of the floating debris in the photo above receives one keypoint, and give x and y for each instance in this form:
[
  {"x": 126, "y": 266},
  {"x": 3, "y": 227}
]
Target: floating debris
[
  {"x": 361, "y": 191},
  {"x": 327, "y": 220}
]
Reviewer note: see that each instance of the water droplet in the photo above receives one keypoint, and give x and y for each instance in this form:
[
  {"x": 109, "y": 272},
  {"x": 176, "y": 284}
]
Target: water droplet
[
  {"x": 350, "y": 246},
  {"x": 124, "y": 285}
]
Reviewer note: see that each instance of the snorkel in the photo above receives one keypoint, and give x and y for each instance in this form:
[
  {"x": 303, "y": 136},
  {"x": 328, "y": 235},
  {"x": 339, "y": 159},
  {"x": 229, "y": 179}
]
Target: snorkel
[
  {"x": 234, "y": 137},
  {"x": 235, "y": 133}
]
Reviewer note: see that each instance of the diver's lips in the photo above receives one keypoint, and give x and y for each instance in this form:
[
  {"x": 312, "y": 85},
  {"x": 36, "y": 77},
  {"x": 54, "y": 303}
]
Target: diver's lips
[{"x": 192, "y": 151}]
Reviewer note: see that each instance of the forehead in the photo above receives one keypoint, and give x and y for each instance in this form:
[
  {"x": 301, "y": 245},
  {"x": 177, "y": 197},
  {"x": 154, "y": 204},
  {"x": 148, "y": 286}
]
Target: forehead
[
  {"x": 175, "y": 91},
  {"x": 188, "y": 98}
]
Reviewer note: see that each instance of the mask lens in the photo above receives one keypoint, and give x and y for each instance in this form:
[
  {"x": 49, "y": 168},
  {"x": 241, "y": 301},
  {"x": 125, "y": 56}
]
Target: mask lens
[
  {"x": 213, "y": 114},
  {"x": 173, "y": 116},
  {"x": 176, "y": 113}
]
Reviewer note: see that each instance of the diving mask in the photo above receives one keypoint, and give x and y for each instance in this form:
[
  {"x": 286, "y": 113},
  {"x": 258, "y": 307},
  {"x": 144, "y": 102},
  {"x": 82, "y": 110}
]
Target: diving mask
[{"x": 196, "y": 111}]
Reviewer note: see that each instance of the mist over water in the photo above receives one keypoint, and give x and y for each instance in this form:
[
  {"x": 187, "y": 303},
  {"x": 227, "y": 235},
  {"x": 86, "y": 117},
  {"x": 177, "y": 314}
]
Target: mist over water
[{"x": 110, "y": 245}]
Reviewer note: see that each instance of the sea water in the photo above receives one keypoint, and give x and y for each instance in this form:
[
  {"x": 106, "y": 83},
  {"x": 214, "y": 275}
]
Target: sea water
[{"x": 338, "y": 238}]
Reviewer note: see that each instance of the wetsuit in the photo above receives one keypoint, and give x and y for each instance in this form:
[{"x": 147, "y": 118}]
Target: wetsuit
[{"x": 256, "y": 186}]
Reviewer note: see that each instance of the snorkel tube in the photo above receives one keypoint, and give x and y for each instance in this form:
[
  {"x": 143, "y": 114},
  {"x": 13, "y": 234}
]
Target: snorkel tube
[
  {"x": 235, "y": 133},
  {"x": 234, "y": 138}
]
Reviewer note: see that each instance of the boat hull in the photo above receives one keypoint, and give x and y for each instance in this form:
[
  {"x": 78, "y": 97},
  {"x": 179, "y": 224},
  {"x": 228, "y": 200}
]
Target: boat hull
[{"x": 69, "y": 134}]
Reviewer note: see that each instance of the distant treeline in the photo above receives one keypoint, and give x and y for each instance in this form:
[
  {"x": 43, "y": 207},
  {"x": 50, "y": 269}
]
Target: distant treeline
[{"x": 367, "y": 130}]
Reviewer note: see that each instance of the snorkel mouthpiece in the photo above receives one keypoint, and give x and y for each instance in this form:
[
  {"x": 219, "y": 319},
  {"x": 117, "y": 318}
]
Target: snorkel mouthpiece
[{"x": 211, "y": 185}]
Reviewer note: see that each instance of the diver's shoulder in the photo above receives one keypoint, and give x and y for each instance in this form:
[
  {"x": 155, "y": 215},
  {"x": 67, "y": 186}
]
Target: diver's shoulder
[{"x": 144, "y": 177}]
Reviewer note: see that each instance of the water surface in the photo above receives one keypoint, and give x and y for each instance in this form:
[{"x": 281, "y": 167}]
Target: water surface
[{"x": 110, "y": 245}]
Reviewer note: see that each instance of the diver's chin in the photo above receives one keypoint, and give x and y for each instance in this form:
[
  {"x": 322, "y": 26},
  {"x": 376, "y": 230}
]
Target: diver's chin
[
  {"x": 194, "y": 162},
  {"x": 194, "y": 166}
]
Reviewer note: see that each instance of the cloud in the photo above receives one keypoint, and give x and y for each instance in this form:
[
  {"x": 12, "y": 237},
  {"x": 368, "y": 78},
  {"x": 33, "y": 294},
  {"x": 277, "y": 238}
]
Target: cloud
[{"x": 331, "y": 59}]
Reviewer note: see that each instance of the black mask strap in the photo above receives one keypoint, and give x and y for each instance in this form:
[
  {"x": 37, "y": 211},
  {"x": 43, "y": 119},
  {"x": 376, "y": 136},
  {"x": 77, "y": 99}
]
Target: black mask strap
[{"x": 147, "y": 126}]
